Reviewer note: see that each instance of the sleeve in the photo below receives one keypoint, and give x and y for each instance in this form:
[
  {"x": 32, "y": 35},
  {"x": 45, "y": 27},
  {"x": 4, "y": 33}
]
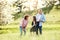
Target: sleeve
[
  {"x": 43, "y": 18},
  {"x": 22, "y": 22}
]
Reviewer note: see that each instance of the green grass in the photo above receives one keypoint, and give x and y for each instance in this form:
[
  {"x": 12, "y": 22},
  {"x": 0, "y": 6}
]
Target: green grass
[
  {"x": 12, "y": 32},
  {"x": 50, "y": 32},
  {"x": 51, "y": 28},
  {"x": 47, "y": 35}
]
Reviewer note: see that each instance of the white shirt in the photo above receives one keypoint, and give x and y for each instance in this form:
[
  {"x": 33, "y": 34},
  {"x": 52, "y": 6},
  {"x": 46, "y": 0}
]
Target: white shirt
[{"x": 38, "y": 17}]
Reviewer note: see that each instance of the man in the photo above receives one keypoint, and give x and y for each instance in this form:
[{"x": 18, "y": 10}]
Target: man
[{"x": 40, "y": 18}]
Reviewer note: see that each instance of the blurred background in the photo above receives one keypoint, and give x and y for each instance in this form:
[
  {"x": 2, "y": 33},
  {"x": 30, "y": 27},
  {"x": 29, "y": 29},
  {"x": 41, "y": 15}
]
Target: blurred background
[{"x": 12, "y": 11}]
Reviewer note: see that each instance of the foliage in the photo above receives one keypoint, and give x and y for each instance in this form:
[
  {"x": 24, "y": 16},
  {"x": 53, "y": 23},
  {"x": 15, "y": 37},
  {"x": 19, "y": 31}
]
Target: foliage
[{"x": 5, "y": 13}]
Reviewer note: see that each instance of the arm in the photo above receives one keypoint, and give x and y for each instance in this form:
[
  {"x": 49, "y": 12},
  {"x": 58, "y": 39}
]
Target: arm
[
  {"x": 43, "y": 18},
  {"x": 23, "y": 23},
  {"x": 26, "y": 24}
]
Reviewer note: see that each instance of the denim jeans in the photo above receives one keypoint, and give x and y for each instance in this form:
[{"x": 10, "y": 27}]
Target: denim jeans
[
  {"x": 22, "y": 30},
  {"x": 38, "y": 27}
]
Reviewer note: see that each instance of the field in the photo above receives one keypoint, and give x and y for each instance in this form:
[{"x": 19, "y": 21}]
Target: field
[
  {"x": 51, "y": 29},
  {"x": 50, "y": 32}
]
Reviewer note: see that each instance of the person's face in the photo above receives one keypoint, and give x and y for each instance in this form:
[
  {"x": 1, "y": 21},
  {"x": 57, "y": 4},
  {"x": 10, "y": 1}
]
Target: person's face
[
  {"x": 40, "y": 11},
  {"x": 27, "y": 18}
]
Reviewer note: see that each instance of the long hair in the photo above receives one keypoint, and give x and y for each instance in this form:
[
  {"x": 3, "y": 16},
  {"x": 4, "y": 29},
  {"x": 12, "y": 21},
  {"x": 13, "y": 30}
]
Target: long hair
[{"x": 34, "y": 19}]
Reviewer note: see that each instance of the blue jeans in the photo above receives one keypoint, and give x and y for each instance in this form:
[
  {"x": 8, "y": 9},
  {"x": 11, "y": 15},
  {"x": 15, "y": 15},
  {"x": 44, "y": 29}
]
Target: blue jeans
[
  {"x": 38, "y": 27},
  {"x": 22, "y": 29}
]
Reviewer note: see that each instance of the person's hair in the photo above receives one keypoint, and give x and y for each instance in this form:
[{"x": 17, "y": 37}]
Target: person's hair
[
  {"x": 34, "y": 19},
  {"x": 26, "y": 17},
  {"x": 39, "y": 9}
]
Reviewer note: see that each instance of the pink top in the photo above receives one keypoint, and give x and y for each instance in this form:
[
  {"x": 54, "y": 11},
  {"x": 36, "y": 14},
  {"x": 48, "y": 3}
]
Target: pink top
[{"x": 24, "y": 23}]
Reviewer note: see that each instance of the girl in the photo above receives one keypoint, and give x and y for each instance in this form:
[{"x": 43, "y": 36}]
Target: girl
[
  {"x": 24, "y": 25},
  {"x": 33, "y": 29}
]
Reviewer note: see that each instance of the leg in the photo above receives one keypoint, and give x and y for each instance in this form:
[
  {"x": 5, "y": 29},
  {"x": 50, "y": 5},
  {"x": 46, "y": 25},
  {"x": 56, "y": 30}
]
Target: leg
[
  {"x": 40, "y": 29},
  {"x": 36, "y": 30},
  {"x": 37, "y": 26},
  {"x": 24, "y": 31},
  {"x": 21, "y": 30}
]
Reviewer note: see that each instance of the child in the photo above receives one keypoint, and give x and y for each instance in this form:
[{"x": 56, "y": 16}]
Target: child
[
  {"x": 33, "y": 29},
  {"x": 24, "y": 24}
]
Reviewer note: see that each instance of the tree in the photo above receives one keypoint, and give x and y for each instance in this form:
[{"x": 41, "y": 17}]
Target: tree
[
  {"x": 58, "y": 4},
  {"x": 19, "y": 4},
  {"x": 5, "y": 13}
]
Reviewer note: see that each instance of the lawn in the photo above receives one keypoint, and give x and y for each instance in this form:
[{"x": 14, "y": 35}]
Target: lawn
[
  {"x": 47, "y": 35},
  {"x": 51, "y": 28},
  {"x": 12, "y": 32}
]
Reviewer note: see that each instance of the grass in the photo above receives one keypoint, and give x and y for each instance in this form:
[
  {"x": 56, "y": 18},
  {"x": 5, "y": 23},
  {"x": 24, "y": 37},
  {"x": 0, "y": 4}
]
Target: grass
[
  {"x": 51, "y": 28},
  {"x": 47, "y": 35},
  {"x": 50, "y": 32}
]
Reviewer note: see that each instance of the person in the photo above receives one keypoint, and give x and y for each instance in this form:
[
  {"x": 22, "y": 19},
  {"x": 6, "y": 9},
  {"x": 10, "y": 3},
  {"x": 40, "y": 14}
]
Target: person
[
  {"x": 23, "y": 24},
  {"x": 40, "y": 18},
  {"x": 33, "y": 29}
]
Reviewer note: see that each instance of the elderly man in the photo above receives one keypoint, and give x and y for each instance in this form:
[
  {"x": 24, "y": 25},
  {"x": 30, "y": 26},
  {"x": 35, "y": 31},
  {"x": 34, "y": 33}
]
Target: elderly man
[{"x": 40, "y": 18}]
